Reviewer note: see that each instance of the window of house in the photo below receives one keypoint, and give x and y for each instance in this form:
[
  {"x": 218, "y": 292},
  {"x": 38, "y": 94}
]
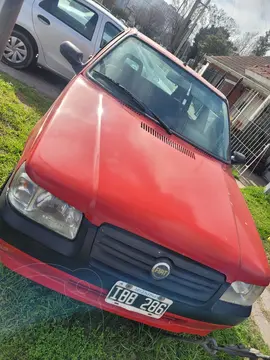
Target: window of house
[
  {"x": 79, "y": 17},
  {"x": 110, "y": 31}
]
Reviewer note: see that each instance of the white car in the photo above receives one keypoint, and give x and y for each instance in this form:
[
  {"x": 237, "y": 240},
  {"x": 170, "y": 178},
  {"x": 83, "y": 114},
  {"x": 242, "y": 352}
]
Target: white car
[{"x": 43, "y": 25}]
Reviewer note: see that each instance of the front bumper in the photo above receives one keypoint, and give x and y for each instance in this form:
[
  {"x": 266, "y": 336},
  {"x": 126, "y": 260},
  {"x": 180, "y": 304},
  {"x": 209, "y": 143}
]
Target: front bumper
[
  {"x": 39, "y": 255},
  {"x": 81, "y": 290}
]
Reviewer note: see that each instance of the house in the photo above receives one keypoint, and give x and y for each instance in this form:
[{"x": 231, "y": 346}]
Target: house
[
  {"x": 226, "y": 71},
  {"x": 245, "y": 80}
]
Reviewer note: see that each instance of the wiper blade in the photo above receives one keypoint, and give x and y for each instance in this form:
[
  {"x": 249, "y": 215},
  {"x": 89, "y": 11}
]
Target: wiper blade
[
  {"x": 146, "y": 110},
  {"x": 158, "y": 119},
  {"x": 119, "y": 87}
]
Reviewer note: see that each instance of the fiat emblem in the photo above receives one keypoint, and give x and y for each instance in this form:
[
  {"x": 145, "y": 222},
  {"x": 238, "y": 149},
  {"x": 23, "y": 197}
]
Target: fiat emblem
[{"x": 160, "y": 271}]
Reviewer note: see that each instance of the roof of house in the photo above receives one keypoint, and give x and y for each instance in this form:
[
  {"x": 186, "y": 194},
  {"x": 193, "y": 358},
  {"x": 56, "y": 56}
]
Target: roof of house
[
  {"x": 261, "y": 70},
  {"x": 240, "y": 63}
]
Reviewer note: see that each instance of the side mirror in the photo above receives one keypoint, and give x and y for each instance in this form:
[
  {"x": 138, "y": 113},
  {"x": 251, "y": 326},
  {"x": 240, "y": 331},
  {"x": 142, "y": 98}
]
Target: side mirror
[
  {"x": 238, "y": 158},
  {"x": 73, "y": 55}
]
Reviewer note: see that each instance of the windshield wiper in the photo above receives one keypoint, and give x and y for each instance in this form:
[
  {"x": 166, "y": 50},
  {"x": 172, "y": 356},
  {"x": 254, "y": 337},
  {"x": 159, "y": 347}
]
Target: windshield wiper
[
  {"x": 144, "y": 108},
  {"x": 157, "y": 118}
]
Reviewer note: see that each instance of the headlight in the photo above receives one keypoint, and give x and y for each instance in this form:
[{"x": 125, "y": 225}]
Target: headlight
[
  {"x": 42, "y": 207},
  {"x": 242, "y": 294}
]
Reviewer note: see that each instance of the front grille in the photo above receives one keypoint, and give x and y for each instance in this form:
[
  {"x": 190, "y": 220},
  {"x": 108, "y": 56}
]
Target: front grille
[{"x": 119, "y": 252}]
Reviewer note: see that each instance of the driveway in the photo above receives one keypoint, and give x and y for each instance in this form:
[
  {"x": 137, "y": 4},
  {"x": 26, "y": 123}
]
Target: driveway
[{"x": 42, "y": 80}]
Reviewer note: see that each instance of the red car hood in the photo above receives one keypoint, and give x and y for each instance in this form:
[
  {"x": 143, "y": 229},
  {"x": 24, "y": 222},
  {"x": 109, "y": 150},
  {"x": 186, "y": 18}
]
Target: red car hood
[{"x": 117, "y": 167}]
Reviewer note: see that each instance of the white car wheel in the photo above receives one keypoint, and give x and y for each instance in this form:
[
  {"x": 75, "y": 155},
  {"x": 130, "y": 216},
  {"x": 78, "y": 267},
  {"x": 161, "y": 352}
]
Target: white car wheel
[
  {"x": 20, "y": 50},
  {"x": 16, "y": 50}
]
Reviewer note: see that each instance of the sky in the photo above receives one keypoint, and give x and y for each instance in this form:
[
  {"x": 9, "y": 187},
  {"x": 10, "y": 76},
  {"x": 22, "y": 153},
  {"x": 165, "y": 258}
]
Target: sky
[{"x": 251, "y": 15}]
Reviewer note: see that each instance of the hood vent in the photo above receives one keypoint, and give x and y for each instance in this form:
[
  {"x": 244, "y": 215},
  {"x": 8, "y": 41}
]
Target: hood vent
[{"x": 167, "y": 141}]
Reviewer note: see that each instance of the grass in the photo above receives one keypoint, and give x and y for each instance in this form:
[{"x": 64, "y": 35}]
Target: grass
[
  {"x": 37, "y": 323},
  {"x": 259, "y": 205},
  {"x": 20, "y": 108},
  {"x": 235, "y": 174}
]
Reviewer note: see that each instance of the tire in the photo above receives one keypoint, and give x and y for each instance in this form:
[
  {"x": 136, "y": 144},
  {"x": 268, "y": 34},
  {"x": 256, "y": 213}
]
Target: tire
[{"x": 19, "y": 52}]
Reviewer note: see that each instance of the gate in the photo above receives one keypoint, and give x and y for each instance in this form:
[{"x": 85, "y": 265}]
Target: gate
[{"x": 251, "y": 135}]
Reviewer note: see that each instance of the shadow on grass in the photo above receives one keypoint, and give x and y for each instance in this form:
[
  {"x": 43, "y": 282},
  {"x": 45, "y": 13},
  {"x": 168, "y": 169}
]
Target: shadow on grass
[{"x": 37, "y": 323}]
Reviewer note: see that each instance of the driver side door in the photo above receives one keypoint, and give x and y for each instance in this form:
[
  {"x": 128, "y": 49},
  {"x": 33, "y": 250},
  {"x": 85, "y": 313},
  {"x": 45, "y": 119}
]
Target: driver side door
[{"x": 56, "y": 21}]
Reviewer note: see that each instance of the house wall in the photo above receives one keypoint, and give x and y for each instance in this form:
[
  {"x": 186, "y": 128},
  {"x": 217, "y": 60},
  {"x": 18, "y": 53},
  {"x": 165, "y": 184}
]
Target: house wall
[
  {"x": 264, "y": 80},
  {"x": 214, "y": 74},
  {"x": 249, "y": 114}
]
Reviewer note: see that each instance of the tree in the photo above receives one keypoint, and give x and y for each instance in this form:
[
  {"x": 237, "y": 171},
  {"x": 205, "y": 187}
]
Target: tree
[
  {"x": 174, "y": 21},
  {"x": 263, "y": 45},
  {"x": 217, "y": 17},
  {"x": 212, "y": 17},
  {"x": 245, "y": 43},
  {"x": 120, "y": 14},
  {"x": 211, "y": 41},
  {"x": 109, "y": 4},
  {"x": 150, "y": 21}
]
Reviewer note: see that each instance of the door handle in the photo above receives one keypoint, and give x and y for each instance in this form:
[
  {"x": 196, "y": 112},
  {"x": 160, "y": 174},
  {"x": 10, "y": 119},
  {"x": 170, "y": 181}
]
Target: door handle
[{"x": 44, "y": 20}]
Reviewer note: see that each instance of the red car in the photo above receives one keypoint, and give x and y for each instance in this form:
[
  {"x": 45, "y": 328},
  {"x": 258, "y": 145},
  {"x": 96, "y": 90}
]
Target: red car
[{"x": 124, "y": 198}]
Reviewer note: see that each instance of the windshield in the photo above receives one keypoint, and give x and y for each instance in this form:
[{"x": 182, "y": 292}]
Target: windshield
[{"x": 182, "y": 102}]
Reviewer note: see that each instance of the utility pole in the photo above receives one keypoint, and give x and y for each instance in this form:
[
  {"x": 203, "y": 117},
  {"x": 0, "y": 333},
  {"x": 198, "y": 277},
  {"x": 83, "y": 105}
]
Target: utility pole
[
  {"x": 184, "y": 37},
  {"x": 185, "y": 25},
  {"x": 9, "y": 11}
]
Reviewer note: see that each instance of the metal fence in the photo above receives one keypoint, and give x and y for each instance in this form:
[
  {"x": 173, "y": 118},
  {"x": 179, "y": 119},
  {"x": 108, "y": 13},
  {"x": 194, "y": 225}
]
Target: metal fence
[{"x": 251, "y": 135}]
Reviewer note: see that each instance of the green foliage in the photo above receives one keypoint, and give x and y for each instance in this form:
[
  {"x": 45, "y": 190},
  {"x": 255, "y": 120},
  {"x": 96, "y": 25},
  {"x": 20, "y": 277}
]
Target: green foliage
[
  {"x": 235, "y": 174},
  {"x": 263, "y": 45},
  {"x": 259, "y": 206},
  {"x": 20, "y": 109},
  {"x": 39, "y": 324},
  {"x": 211, "y": 41}
]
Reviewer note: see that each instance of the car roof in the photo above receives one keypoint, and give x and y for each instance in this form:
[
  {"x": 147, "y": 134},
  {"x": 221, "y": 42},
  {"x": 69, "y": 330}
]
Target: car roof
[
  {"x": 105, "y": 11},
  {"x": 176, "y": 60}
]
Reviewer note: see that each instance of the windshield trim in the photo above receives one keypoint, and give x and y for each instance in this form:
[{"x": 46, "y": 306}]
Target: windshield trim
[{"x": 116, "y": 44}]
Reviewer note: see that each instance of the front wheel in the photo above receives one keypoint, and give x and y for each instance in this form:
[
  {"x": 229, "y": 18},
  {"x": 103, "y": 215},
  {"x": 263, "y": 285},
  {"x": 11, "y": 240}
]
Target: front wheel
[{"x": 19, "y": 52}]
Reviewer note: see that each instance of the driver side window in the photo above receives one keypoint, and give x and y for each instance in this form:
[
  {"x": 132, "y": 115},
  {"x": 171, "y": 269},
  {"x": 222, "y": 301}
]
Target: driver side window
[{"x": 77, "y": 16}]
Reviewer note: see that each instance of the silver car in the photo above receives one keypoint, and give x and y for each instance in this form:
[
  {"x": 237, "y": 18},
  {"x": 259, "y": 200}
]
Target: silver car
[{"x": 43, "y": 25}]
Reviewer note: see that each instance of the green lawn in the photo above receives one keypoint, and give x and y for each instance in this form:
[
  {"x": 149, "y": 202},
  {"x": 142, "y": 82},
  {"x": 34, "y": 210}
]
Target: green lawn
[
  {"x": 37, "y": 323},
  {"x": 235, "y": 174},
  {"x": 259, "y": 205},
  {"x": 20, "y": 108}
]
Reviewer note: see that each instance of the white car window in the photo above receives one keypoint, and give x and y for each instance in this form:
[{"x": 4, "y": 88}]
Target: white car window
[{"x": 79, "y": 17}]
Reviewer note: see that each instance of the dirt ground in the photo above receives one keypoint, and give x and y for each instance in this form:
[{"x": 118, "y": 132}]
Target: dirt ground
[{"x": 261, "y": 315}]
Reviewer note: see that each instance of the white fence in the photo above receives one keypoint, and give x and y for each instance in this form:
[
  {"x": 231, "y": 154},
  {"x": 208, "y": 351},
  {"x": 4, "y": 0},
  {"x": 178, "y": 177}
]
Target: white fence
[{"x": 251, "y": 134}]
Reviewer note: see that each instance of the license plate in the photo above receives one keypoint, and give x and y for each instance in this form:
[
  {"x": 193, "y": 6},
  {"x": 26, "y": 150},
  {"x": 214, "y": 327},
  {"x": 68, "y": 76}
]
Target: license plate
[{"x": 138, "y": 300}]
